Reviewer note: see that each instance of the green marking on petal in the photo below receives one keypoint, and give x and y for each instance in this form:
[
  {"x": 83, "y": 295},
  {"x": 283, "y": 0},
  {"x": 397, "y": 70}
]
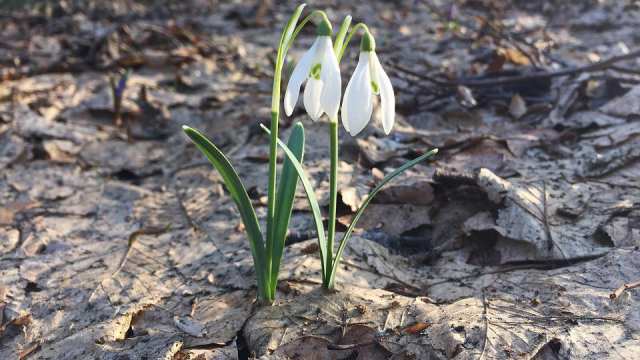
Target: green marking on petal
[
  {"x": 375, "y": 87},
  {"x": 315, "y": 71}
]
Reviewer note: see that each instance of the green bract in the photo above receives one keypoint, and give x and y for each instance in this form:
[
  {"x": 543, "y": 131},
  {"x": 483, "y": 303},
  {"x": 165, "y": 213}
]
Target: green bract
[{"x": 267, "y": 248}]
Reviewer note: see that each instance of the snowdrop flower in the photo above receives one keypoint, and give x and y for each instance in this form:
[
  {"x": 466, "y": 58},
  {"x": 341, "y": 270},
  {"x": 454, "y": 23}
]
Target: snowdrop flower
[
  {"x": 319, "y": 67},
  {"x": 368, "y": 79}
]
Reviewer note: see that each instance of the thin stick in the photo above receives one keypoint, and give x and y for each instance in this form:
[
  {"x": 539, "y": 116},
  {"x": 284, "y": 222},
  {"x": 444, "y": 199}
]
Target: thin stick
[
  {"x": 599, "y": 66},
  {"x": 618, "y": 292}
]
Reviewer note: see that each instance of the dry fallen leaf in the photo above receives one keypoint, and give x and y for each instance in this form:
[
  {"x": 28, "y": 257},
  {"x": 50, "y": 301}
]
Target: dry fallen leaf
[
  {"x": 514, "y": 56},
  {"x": 190, "y": 326},
  {"x": 415, "y": 328}
]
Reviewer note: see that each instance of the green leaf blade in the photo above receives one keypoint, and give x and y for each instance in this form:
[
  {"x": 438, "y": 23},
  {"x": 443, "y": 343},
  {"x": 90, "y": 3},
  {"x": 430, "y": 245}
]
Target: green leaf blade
[
  {"x": 372, "y": 194},
  {"x": 284, "y": 201},
  {"x": 290, "y": 27},
  {"x": 240, "y": 197},
  {"x": 313, "y": 202}
]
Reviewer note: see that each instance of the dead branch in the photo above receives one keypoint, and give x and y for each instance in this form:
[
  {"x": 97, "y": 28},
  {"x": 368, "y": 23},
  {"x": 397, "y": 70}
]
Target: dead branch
[{"x": 503, "y": 80}]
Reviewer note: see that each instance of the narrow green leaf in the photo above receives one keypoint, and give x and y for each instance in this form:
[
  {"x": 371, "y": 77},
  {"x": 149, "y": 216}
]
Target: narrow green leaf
[
  {"x": 240, "y": 197},
  {"x": 284, "y": 201},
  {"x": 342, "y": 33},
  {"x": 374, "y": 192},
  {"x": 288, "y": 30},
  {"x": 313, "y": 201}
]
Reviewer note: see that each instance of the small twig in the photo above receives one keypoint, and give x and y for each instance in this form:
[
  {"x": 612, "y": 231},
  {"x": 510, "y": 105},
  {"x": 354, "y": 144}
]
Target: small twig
[
  {"x": 625, "y": 70},
  {"x": 599, "y": 66},
  {"x": 348, "y": 346},
  {"x": 618, "y": 292},
  {"x": 480, "y": 82},
  {"x": 421, "y": 76}
]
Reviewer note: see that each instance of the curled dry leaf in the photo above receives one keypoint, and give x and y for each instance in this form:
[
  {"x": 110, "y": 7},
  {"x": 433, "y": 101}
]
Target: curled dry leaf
[{"x": 415, "y": 328}]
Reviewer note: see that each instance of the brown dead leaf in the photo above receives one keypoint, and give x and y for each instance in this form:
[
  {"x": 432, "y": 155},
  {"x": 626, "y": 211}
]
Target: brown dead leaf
[
  {"x": 377, "y": 174},
  {"x": 393, "y": 219},
  {"x": 189, "y": 326},
  {"x": 307, "y": 347},
  {"x": 415, "y": 193},
  {"x": 9, "y": 211},
  {"x": 27, "y": 351},
  {"x": 361, "y": 340},
  {"x": 24, "y": 319},
  {"x": 9, "y": 239},
  {"x": 514, "y": 56},
  {"x": 415, "y": 328},
  {"x": 625, "y": 105},
  {"x": 497, "y": 63},
  {"x": 351, "y": 197},
  {"x": 12, "y": 148},
  {"x": 311, "y": 249},
  {"x": 379, "y": 150},
  {"x": 62, "y": 151}
]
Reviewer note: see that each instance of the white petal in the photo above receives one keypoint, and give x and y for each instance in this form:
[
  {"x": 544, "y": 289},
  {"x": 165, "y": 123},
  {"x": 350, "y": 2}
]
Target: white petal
[
  {"x": 298, "y": 76},
  {"x": 358, "y": 105},
  {"x": 332, "y": 83},
  {"x": 387, "y": 97},
  {"x": 345, "y": 105},
  {"x": 312, "y": 92}
]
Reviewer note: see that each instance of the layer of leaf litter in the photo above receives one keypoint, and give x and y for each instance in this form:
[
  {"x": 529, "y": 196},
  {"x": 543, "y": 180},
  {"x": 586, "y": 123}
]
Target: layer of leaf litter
[{"x": 508, "y": 245}]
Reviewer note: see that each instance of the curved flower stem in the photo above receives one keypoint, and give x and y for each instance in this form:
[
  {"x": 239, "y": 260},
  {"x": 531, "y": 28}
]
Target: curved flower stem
[
  {"x": 302, "y": 24},
  {"x": 339, "y": 48},
  {"x": 333, "y": 198},
  {"x": 355, "y": 28}
]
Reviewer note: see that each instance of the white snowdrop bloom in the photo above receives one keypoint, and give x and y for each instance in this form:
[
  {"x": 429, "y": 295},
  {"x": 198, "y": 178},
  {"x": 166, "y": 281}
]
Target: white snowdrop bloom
[
  {"x": 368, "y": 79},
  {"x": 319, "y": 68}
]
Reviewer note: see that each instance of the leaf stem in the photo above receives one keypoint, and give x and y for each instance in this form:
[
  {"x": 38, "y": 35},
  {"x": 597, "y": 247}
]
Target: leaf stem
[{"x": 355, "y": 28}]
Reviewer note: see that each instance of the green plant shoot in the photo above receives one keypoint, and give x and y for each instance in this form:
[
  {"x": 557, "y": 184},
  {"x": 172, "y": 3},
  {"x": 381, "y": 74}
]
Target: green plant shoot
[{"x": 319, "y": 70}]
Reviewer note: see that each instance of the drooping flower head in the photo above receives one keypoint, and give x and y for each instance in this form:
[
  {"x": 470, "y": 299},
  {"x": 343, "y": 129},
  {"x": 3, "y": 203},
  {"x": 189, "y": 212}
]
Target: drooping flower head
[
  {"x": 319, "y": 68},
  {"x": 368, "y": 79}
]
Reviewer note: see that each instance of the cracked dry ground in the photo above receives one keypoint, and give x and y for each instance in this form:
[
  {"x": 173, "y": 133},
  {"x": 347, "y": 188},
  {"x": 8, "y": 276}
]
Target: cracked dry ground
[{"x": 507, "y": 245}]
